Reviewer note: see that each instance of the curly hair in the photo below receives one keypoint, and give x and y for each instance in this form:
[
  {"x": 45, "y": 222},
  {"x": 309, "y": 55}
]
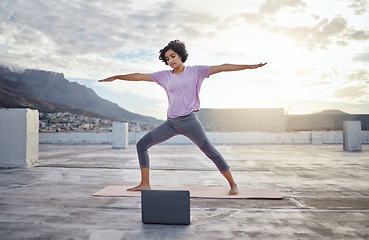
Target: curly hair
[{"x": 177, "y": 46}]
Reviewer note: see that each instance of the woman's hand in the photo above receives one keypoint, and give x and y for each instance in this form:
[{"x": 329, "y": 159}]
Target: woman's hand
[
  {"x": 258, "y": 65},
  {"x": 109, "y": 79}
]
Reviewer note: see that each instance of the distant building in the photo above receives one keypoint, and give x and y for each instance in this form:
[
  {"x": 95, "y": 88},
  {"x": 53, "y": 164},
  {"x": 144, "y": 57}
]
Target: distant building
[
  {"x": 326, "y": 120},
  {"x": 274, "y": 120},
  {"x": 243, "y": 119}
]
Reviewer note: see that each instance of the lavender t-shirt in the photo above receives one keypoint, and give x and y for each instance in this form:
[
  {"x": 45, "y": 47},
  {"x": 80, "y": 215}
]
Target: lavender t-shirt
[{"x": 183, "y": 89}]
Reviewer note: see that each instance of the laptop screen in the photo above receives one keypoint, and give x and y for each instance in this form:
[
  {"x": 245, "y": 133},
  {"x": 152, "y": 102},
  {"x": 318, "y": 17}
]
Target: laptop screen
[{"x": 165, "y": 206}]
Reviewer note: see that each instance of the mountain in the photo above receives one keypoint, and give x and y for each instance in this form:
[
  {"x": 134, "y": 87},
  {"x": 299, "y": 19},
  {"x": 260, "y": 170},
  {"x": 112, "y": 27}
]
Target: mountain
[
  {"x": 50, "y": 90},
  {"x": 332, "y": 111},
  {"x": 18, "y": 95}
]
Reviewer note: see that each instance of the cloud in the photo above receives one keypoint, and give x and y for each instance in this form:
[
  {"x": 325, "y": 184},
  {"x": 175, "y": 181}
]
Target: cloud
[
  {"x": 359, "y": 6},
  {"x": 64, "y": 25},
  {"x": 360, "y": 75},
  {"x": 89, "y": 27},
  {"x": 355, "y": 94},
  {"x": 94, "y": 39},
  {"x": 359, "y": 35},
  {"x": 270, "y": 7},
  {"x": 323, "y": 34},
  {"x": 355, "y": 88},
  {"x": 313, "y": 31},
  {"x": 362, "y": 57}
]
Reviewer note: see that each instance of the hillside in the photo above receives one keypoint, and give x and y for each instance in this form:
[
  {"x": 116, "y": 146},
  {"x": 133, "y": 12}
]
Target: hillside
[
  {"x": 50, "y": 91},
  {"x": 18, "y": 95}
]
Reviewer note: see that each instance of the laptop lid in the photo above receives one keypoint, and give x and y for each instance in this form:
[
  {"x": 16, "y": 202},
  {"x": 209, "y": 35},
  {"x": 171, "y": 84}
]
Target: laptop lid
[{"x": 165, "y": 206}]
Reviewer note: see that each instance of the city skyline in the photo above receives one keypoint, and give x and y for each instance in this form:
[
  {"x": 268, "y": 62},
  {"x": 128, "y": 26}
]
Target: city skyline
[{"x": 317, "y": 52}]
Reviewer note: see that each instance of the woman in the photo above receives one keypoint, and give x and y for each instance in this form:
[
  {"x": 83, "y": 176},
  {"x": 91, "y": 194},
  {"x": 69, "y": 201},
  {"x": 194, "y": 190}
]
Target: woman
[{"x": 182, "y": 86}]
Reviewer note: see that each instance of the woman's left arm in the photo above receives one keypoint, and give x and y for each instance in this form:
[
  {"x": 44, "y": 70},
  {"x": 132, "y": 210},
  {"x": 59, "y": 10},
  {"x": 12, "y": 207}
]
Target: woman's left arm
[{"x": 232, "y": 67}]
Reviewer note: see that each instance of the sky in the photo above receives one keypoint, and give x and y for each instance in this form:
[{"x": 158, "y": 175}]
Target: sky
[{"x": 317, "y": 51}]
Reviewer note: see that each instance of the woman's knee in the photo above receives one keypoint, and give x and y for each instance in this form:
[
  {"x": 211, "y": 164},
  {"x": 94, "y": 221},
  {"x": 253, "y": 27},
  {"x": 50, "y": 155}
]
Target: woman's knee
[
  {"x": 140, "y": 145},
  {"x": 144, "y": 142}
]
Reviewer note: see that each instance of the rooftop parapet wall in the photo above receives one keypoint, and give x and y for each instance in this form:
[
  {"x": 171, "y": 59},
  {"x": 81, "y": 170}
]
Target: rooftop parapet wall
[
  {"x": 218, "y": 138},
  {"x": 76, "y": 138}
]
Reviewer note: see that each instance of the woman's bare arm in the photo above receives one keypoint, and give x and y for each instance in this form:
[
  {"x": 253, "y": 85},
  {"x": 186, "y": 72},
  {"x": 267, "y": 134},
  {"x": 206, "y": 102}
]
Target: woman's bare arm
[
  {"x": 233, "y": 67},
  {"x": 129, "y": 77}
]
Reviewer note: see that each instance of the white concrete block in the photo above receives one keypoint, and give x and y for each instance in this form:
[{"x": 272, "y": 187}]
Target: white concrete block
[
  {"x": 333, "y": 137},
  {"x": 352, "y": 140},
  {"x": 316, "y": 138},
  {"x": 120, "y": 135},
  {"x": 365, "y": 137},
  {"x": 18, "y": 138}
]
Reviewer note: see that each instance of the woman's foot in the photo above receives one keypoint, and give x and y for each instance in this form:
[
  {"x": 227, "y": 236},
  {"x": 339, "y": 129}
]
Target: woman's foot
[
  {"x": 140, "y": 187},
  {"x": 145, "y": 182},
  {"x": 234, "y": 190},
  {"x": 232, "y": 184}
]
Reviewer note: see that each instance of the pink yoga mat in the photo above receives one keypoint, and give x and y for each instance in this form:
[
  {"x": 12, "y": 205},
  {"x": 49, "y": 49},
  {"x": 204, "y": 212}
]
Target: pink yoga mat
[{"x": 195, "y": 192}]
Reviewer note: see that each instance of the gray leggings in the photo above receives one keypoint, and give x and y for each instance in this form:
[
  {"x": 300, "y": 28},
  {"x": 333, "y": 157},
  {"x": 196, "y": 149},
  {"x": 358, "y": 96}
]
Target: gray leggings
[{"x": 188, "y": 126}]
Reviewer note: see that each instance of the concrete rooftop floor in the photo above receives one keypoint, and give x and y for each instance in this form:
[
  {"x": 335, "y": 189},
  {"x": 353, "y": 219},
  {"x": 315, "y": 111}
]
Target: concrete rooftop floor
[{"x": 326, "y": 193}]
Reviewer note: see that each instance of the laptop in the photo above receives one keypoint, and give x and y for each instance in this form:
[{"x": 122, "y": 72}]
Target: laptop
[{"x": 165, "y": 207}]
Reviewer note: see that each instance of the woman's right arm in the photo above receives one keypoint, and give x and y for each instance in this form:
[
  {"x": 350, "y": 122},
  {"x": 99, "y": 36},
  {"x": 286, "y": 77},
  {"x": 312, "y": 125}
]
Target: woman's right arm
[{"x": 129, "y": 77}]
